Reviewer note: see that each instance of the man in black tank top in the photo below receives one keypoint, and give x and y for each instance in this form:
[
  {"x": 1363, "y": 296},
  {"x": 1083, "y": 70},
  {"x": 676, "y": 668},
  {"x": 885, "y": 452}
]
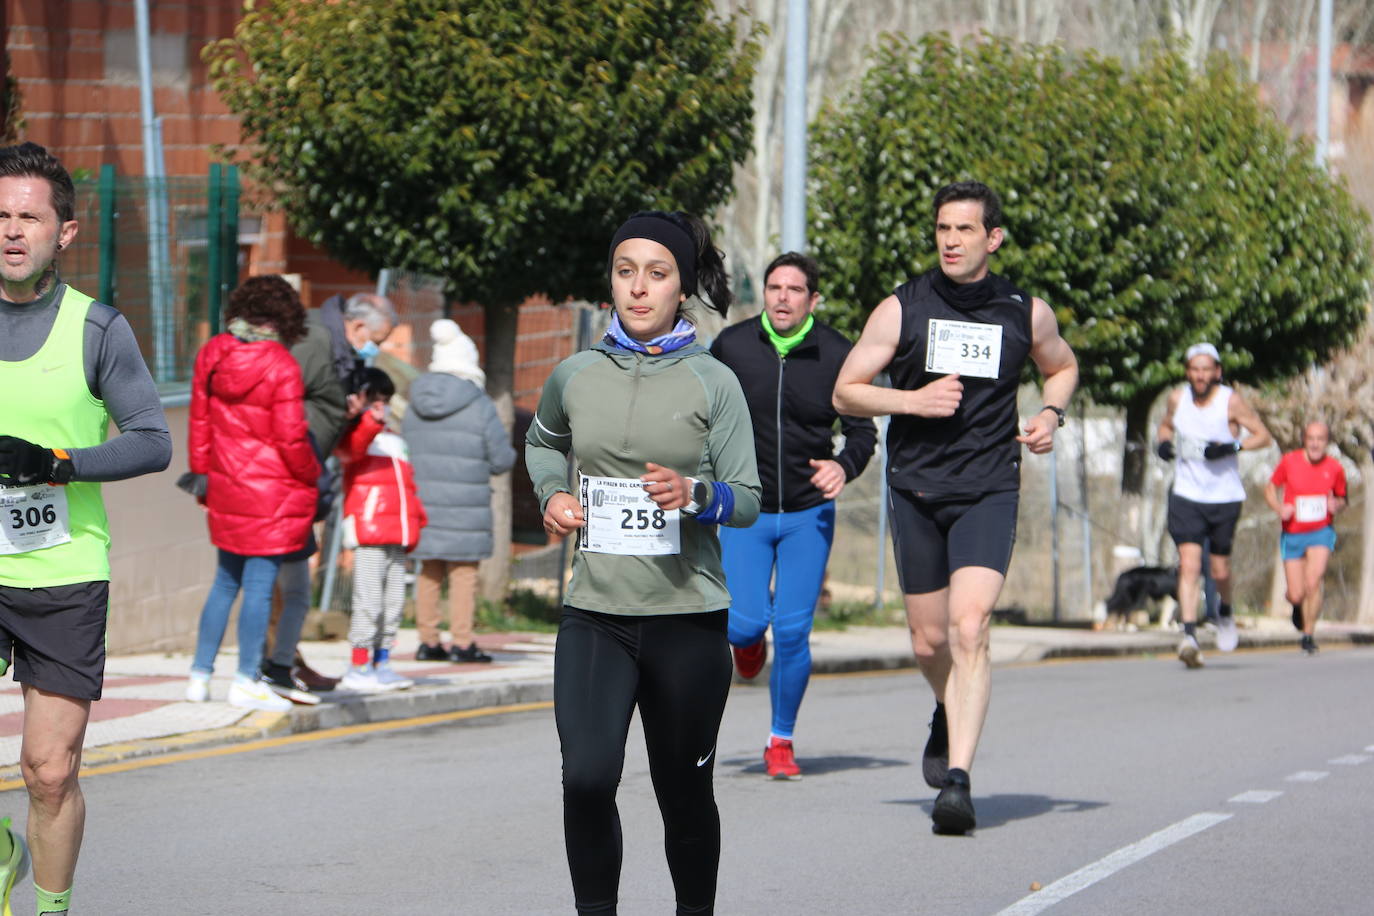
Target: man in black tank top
[{"x": 954, "y": 341}]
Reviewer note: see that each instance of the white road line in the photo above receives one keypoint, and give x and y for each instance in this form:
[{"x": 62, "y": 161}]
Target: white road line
[
  {"x": 1109, "y": 865},
  {"x": 1350, "y": 760},
  {"x": 1255, "y": 797},
  {"x": 1307, "y": 776},
  {"x": 1370, "y": 748}
]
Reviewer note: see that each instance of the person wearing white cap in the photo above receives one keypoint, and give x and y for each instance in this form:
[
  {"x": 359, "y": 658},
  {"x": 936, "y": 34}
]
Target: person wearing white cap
[
  {"x": 1202, "y": 428},
  {"x": 457, "y": 444}
]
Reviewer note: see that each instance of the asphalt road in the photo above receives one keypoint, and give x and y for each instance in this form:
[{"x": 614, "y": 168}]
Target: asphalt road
[{"x": 1119, "y": 786}]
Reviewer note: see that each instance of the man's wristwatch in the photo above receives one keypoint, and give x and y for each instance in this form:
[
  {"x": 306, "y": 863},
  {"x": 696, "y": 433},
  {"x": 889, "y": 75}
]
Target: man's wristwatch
[{"x": 1059, "y": 412}]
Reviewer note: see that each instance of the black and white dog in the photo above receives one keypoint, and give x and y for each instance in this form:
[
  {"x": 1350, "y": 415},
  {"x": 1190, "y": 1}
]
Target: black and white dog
[{"x": 1135, "y": 587}]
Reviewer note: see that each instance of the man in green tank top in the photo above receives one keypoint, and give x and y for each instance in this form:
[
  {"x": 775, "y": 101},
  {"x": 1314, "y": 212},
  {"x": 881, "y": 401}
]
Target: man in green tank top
[{"x": 78, "y": 367}]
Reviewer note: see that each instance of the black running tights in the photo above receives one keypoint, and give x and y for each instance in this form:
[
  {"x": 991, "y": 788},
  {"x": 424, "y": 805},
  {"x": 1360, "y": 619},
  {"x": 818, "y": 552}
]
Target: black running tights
[{"x": 676, "y": 669}]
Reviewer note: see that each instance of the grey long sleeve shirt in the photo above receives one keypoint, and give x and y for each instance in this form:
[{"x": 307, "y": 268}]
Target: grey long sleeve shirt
[{"x": 115, "y": 374}]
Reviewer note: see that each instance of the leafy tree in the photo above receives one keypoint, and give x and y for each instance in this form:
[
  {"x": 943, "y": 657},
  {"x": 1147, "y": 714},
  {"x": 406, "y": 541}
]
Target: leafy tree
[
  {"x": 1144, "y": 218},
  {"x": 495, "y": 144}
]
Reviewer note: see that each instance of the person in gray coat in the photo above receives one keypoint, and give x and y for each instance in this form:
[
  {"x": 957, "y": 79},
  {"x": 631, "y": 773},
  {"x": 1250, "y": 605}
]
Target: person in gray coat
[{"x": 456, "y": 444}]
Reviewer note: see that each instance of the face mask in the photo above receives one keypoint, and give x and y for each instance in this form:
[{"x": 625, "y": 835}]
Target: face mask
[{"x": 368, "y": 350}]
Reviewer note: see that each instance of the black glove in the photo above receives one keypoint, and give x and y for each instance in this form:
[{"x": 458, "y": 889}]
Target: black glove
[
  {"x": 1165, "y": 450},
  {"x": 23, "y": 464},
  {"x": 195, "y": 484},
  {"x": 1216, "y": 450}
]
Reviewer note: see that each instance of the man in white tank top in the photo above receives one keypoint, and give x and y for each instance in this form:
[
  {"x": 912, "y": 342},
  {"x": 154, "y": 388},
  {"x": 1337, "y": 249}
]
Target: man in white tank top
[{"x": 1202, "y": 426}]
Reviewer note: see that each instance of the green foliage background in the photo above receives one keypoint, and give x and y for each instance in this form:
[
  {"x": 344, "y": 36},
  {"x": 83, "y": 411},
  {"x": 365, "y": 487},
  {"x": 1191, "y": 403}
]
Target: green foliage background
[
  {"x": 496, "y": 144},
  {"x": 1151, "y": 208}
]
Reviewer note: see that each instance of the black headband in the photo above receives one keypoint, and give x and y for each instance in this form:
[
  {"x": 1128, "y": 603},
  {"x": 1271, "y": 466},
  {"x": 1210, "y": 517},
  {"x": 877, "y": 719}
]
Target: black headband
[{"x": 668, "y": 234}]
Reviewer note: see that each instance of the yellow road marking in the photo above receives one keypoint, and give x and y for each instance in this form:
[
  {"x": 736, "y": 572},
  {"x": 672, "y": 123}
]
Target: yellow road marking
[{"x": 325, "y": 734}]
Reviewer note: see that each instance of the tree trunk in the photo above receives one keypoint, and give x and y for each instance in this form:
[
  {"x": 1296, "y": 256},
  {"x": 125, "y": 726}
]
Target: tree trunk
[
  {"x": 502, "y": 322},
  {"x": 1137, "y": 443},
  {"x": 1365, "y": 614},
  {"x": 6, "y": 128}
]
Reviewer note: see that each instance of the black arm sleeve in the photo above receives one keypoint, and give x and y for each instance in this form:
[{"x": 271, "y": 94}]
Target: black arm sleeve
[{"x": 116, "y": 373}]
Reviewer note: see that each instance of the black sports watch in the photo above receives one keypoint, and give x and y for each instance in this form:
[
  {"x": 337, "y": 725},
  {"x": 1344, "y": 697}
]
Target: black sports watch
[{"x": 1059, "y": 412}]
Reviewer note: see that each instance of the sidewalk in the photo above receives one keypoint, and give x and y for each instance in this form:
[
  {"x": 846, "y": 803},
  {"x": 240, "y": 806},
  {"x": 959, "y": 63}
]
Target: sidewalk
[{"x": 144, "y": 713}]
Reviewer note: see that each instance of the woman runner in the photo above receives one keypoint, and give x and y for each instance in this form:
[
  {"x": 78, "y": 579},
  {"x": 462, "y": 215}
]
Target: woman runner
[{"x": 665, "y": 452}]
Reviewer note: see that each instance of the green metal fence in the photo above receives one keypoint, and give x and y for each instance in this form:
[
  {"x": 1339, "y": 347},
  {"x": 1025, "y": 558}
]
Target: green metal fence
[{"x": 168, "y": 276}]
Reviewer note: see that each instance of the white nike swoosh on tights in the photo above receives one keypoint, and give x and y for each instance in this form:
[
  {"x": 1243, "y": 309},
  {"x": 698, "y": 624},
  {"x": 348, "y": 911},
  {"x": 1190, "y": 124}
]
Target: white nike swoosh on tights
[{"x": 702, "y": 761}]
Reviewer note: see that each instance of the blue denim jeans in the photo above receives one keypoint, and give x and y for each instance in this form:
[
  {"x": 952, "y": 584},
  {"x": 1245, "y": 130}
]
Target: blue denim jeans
[
  {"x": 294, "y": 579},
  {"x": 254, "y": 575}
]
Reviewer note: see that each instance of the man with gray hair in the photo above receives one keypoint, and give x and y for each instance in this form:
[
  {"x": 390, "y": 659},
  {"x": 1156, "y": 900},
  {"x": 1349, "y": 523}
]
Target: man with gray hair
[
  {"x": 1202, "y": 427},
  {"x": 1314, "y": 490},
  {"x": 341, "y": 339}
]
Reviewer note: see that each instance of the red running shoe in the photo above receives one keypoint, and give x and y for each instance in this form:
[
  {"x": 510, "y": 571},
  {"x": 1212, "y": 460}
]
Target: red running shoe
[
  {"x": 779, "y": 760},
  {"x": 749, "y": 660}
]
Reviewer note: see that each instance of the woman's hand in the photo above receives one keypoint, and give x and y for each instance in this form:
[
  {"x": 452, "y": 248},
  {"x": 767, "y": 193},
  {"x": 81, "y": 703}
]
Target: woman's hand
[
  {"x": 666, "y": 487},
  {"x": 563, "y": 515}
]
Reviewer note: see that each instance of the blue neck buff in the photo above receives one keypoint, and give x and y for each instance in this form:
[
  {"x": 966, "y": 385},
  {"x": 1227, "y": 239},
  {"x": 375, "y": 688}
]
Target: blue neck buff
[{"x": 682, "y": 334}]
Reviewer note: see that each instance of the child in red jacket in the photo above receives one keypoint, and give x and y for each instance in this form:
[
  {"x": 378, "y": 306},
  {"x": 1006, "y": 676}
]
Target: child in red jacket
[{"x": 382, "y": 521}]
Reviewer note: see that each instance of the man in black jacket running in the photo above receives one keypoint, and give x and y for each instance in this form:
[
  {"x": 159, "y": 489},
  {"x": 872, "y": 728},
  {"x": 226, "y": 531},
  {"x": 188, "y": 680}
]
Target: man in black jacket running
[{"x": 787, "y": 363}]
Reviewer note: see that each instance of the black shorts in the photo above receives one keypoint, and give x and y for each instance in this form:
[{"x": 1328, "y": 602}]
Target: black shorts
[
  {"x": 1196, "y": 523},
  {"x": 55, "y": 637},
  {"x": 932, "y": 538}
]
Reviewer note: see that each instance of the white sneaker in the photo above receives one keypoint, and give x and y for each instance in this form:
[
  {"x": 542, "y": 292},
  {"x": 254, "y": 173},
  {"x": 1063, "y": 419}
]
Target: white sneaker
[
  {"x": 1227, "y": 635},
  {"x": 390, "y": 679},
  {"x": 361, "y": 679},
  {"x": 255, "y": 694},
  {"x": 1188, "y": 652},
  {"x": 198, "y": 687}
]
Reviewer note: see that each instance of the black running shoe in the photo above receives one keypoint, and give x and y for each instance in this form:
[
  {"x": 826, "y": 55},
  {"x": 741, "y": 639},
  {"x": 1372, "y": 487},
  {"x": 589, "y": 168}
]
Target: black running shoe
[
  {"x": 953, "y": 811},
  {"x": 1309, "y": 644},
  {"x": 1297, "y": 617},
  {"x": 471, "y": 654},
  {"x": 281, "y": 681},
  {"x": 935, "y": 759},
  {"x": 428, "y": 653}
]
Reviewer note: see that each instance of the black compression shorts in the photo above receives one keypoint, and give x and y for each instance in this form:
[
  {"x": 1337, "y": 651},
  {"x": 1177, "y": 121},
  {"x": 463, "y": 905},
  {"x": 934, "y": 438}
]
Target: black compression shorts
[
  {"x": 55, "y": 637},
  {"x": 1195, "y": 523},
  {"x": 932, "y": 538}
]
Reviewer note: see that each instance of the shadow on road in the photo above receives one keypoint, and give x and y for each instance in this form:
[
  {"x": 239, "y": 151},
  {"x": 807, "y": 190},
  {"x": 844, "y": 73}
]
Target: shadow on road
[
  {"x": 816, "y": 766},
  {"x": 996, "y": 810}
]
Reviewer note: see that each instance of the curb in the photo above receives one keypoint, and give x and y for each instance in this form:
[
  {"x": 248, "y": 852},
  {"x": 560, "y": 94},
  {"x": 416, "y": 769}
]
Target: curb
[
  {"x": 356, "y": 710},
  {"x": 407, "y": 704},
  {"x": 1168, "y": 645}
]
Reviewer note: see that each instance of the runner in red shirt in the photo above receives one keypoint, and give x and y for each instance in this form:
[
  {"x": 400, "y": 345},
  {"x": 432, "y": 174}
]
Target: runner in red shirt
[{"x": 1313, "y": 485}]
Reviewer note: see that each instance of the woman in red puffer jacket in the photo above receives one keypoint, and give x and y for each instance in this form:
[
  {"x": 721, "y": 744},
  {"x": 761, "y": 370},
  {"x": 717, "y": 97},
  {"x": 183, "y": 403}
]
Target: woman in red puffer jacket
[{"x": 248, "y": 436}]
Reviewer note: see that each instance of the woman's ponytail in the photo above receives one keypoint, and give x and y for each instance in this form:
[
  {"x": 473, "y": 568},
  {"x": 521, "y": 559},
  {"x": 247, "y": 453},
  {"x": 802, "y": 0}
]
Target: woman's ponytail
[{"x": 713, "y": 283}]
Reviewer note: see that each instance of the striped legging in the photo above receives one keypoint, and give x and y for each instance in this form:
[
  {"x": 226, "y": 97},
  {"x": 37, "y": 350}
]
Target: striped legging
[{"x": 379, "y": 594}]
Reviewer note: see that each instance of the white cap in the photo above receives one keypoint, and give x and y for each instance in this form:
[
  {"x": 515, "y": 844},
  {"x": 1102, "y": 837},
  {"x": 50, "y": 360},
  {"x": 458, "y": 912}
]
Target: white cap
[{"x": 1202, "y": 349}]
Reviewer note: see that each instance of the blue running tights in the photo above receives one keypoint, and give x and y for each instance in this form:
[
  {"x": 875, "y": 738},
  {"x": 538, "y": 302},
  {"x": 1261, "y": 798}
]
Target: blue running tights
[{"x": 774, "y": 570}]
